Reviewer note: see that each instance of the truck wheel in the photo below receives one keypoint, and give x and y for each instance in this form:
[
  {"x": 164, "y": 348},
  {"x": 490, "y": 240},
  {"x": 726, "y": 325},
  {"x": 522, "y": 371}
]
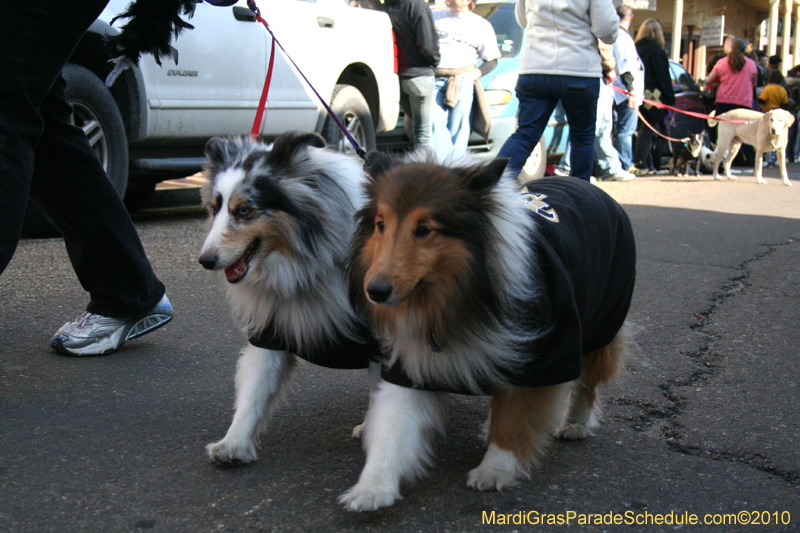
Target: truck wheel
[
  {"x": 96, "y": 112},
  {"x": 534, "y": 167},
  {"x": 350, "y": 106}
]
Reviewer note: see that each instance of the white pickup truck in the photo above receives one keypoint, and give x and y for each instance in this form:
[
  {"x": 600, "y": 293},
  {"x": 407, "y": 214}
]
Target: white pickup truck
[{"x": 153, "y": 122}]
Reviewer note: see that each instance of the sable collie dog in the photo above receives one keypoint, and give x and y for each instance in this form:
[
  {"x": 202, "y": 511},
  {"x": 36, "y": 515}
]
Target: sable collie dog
[
  {"x": 281, "y": 220},
  {"x": 475, "y": 288}
]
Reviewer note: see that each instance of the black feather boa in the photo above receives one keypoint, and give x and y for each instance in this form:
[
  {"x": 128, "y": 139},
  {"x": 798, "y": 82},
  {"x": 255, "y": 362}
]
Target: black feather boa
[{"x": 150, "y": 29}]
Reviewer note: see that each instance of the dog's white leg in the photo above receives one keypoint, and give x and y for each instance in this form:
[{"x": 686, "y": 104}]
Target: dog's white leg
[
  {"x": 759, "y": 165},
  {"x": 374, "y": 381},
  {"x": 522, "y": 420},
  {"x": 782, "y": 163},
  {"x": 732, "y": 152},
  {"x": 599, "y": 366},
  {"x": 261, "y": 378},
  {"x": 398, "y": 432},
  {"x": 582, "y": 416}
]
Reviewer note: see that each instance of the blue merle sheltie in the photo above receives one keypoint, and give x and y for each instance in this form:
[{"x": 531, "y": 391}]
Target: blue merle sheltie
[
  {"x": 281, "y": 221},
  {"x": 474, "y": 287}
]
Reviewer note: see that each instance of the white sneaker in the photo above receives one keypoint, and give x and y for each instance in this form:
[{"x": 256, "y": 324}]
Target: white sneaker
[
  {"x": 559, "y": 171},
  {"x": 91, "y": 334},
  {"x": 622, "y": 175}
]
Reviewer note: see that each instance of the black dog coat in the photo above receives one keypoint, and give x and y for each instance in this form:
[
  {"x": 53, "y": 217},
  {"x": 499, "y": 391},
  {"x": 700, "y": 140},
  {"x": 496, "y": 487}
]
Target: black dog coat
[
  {"x": 585, "y": 266},
  {"x": 340, "y": 352}
]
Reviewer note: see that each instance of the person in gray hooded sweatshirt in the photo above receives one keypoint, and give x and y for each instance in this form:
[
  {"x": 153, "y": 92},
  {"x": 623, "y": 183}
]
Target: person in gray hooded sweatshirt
[{"x": 560, "y": 62}]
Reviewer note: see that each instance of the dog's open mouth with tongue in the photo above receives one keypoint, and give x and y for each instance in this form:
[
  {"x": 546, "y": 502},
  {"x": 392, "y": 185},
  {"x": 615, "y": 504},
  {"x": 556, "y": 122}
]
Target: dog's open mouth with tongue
[{"x": 238, "y": 270}]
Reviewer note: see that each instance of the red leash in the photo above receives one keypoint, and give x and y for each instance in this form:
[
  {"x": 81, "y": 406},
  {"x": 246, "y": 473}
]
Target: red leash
[
  {"x": 265, "y": 91},
  {"x": 641, "y": 117},
  {"x": 690, "y": 113}
]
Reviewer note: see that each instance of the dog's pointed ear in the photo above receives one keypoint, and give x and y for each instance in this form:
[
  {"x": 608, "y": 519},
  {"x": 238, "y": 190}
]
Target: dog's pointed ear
[
  {"x": 789, "y": 119},
  {"x": 378, "y": 163},
  {"x": 483, "y": 177},
  {"x": 216, "y": 151},
  {"x": 287, "y": 144}
]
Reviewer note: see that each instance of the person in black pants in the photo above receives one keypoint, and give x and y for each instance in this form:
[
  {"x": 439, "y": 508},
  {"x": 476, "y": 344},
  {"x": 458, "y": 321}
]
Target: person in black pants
[
  {"x": 417, "y": 57},
  {"x": 657, "y": 87},
  {"x": 45, "y": 158}
]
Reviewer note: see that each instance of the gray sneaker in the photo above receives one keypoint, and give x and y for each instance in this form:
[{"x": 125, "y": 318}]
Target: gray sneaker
[{"x": 91, "y": 334}]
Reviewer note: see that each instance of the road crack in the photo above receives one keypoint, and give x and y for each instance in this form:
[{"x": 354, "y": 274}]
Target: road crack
[{"x": 664, "y": 420}]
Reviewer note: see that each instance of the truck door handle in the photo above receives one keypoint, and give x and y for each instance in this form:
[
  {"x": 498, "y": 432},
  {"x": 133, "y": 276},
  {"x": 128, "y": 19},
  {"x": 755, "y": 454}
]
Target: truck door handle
[
  {"x": 325, "y": 22},
  {"x": 243, "y": 14}
]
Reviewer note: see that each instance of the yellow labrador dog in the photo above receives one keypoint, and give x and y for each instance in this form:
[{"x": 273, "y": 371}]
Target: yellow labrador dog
[{"x": 767, "y": 132}]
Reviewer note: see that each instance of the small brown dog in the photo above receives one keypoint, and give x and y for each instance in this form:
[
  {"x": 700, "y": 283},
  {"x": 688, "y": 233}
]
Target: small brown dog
[{"x": 767, "y": 132}]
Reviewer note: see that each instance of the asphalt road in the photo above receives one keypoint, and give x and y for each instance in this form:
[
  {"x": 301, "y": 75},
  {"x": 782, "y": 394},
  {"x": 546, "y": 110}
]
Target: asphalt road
[{"x": 705, "y": 420}]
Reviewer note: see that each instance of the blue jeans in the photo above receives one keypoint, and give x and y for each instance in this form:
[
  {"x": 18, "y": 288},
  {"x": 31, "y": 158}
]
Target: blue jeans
[
  {"x": 451, "y": 125},
  {"x": 626, "y": 122},
  {"x": 538, "y": 95},
  {"x": 416, "y": 99},
  {"x": 67, "y": 181},
  {"x": 604, "y": 152}
]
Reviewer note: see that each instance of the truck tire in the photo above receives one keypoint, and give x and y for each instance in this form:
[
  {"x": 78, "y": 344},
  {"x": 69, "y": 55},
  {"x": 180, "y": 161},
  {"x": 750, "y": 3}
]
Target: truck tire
[
  {"x": 96, "y": 112},
  {"x": 351, "y": 107},
  {"x": 534, "y": 167}
]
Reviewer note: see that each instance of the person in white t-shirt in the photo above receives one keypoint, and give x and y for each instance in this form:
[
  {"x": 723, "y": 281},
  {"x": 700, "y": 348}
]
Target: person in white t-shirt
[{"x": 464, "y": 38}]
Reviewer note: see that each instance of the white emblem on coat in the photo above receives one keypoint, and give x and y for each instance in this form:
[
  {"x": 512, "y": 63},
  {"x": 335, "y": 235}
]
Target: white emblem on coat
[{"x": 535, "y": 202}]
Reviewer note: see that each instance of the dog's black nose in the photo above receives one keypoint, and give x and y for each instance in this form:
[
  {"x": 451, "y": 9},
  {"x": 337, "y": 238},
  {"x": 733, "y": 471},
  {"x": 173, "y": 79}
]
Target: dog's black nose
[
  {"x": 379, "y": 291},
  {"x": 208, "y": 260}
]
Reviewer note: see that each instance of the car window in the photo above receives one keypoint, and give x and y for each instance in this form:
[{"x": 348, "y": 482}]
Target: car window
[
  {"x": 509, "y": 33},
  {"x": 682, "y": 81}
]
